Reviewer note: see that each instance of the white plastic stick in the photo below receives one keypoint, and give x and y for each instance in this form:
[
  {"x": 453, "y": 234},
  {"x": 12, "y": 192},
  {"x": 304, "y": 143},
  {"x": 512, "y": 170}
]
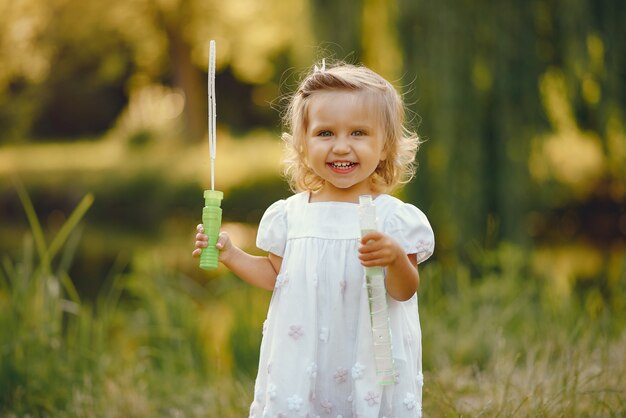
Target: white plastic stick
[
  {"x": 212, "y": 112},
  {"x": 377, "y": 295}
]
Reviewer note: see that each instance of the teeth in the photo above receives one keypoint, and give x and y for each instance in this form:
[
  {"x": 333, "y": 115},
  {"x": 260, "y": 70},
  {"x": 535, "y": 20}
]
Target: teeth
[{"x": 343, "y": 164}]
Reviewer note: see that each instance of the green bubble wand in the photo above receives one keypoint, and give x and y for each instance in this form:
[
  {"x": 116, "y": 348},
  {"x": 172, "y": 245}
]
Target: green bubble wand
[{"x": 212, "y": 212}]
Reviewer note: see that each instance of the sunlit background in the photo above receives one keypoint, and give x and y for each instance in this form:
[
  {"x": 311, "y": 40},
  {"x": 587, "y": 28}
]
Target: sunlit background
[{"x": 104, "y": 157}]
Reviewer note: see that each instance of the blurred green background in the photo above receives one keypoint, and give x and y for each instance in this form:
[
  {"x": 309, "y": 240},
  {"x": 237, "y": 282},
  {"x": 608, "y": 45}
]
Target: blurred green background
[{"x": 104, "y": 156}]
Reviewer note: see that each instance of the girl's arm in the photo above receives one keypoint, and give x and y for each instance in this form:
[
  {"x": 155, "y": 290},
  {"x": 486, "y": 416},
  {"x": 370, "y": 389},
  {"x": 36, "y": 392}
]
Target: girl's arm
[
  {"x": 259, "y": 271},
  {"x": 380, "y": 250}
]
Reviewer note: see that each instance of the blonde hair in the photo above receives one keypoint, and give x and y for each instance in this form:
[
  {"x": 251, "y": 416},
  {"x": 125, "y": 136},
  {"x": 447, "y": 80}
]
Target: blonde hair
[{"x": 400, "y": 144}]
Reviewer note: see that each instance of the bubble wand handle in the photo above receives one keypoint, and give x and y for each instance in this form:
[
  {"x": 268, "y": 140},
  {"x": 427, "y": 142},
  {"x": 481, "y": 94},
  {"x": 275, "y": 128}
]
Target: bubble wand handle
[
  {"x": 212, "y": 221},
  {"x": 377, "y": 296},
  {"x": 212, "y": 211}
]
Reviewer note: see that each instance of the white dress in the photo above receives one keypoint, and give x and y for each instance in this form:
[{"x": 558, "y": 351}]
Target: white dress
[{"x": 316, "y": 355}]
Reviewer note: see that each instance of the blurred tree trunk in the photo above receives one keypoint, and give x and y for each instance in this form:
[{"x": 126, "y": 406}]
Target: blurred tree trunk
[
  {"x": 187, "y": 77},
  {"x": 180, "y": 71},
  {"x": 381, "y": 49},
  {"x": 475, "y": 90},
  {"x": 337, "y": 27},
  {"x": 478, "y": 68}
]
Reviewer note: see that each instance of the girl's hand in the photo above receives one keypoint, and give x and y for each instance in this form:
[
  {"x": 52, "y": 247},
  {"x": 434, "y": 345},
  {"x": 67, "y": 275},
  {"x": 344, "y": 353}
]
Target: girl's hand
[
  {"x": 223, "y": 243},
  {"x": 201, "y": 241},
  {"x": 379, "y": 250},
  {"x": 256, "y": 270}
]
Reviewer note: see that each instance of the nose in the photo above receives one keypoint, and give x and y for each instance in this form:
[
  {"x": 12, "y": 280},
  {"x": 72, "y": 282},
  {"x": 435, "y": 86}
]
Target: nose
[{"x": 341, "y": 145}]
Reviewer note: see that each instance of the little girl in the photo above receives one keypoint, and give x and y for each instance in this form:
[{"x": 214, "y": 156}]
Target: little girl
[{"x": 347, "y": 139}]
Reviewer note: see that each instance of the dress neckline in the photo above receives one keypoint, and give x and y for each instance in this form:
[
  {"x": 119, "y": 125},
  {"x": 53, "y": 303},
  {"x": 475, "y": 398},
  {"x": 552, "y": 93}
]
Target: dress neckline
[{"x": 307, "y": 200}]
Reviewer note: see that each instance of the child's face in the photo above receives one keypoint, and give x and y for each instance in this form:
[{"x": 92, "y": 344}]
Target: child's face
[{"x": 344, "y": 141}]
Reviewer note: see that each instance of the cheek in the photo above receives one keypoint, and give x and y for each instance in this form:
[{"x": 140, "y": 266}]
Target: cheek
[{"x": 313, "y": 149}]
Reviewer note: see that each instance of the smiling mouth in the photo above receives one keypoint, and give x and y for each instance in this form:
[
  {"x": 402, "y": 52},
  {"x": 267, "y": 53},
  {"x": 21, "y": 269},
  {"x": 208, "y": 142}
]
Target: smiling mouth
[{"x": 342, "y": 166}]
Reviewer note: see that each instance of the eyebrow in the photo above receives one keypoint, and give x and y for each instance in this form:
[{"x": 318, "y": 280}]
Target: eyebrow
[{"x": 360, "y": 126}]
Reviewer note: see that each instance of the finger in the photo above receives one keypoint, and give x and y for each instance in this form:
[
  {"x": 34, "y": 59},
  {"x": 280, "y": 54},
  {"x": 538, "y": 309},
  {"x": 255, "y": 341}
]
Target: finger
[
  {"x": 371, "y": 263},
  {"x": 196, "y": 253},
  {"x": 368, "y": 257},
  {"x": 369, "y": 247},
  {"x": 201, "y": 244},
  {"x": 375, "y": 256},
  {"x": 200, "y": 228},
  {"x": 371, "y": 236},
  {"x": 367, "y": 264},
  {"x": 221, "y": 240},
  {"x": 202, "y": 237}
]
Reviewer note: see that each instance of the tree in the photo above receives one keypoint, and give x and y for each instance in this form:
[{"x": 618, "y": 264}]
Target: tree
[{"x": 135, "y": 43}]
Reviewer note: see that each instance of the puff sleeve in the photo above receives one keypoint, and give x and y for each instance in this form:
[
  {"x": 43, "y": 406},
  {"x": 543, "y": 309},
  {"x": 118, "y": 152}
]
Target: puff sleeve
[
  {"x": 410, "y": 227},
  {"x": 272, "y": 233}
]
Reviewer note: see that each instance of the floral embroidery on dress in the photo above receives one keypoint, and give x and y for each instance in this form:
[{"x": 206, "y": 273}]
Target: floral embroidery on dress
[
  {"x": 410, "y": 401},
  {"x": 357, "y": 371},
  {"x": 419, "y": 379},
  {"x": 312, "y": 370},
  {"x": 372, "y": 398},
  {"x": 324, "y": 334},
  {"x": 341, "y": 375},
  {"x": 295, "y": 332},
  {"x": 294, "y": 403},
  {"x": 327, "y": 406},
  {"x": 281, "y": 280},
  {"x": 271, "y": 391}
]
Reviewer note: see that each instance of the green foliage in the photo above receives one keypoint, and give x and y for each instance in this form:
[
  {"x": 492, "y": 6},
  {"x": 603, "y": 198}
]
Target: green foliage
[
  {"x": 156, "y": 343},
  {"x": 247, "y": 202},
  {"x": 38, "y": 302},
  {"x": 140, "y": 350},
  {"x": 497, "y": 343},
  {"x": 245, "y": 336}
]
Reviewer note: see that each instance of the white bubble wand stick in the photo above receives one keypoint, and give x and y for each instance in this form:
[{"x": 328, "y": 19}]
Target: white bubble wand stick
[
  {"x": 212, "y": 115},
  {"x": 377, "y": 296},
  {"x": 212, "y": 212}
]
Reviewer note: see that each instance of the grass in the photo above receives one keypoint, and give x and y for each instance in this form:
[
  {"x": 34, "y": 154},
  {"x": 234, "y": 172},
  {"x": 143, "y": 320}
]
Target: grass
[
  {"x": 156, "y": 343},
  {"x": 498, "y": 348}
]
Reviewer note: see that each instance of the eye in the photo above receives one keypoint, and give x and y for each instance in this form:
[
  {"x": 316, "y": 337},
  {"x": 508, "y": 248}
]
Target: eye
[
  {"x": 359, "y": 133},
  {"x": 324, "y": 133}
]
